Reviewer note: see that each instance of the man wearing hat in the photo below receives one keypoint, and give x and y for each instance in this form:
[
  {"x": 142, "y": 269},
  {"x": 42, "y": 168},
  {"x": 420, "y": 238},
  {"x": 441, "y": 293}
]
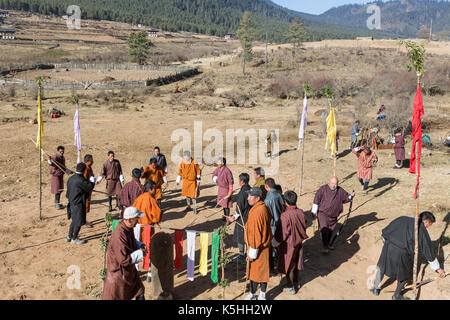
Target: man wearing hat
[
  {"x": 258, "y": 237},
  {"x": 122, "y": 281},
  {"x": 78, "y": 189}
]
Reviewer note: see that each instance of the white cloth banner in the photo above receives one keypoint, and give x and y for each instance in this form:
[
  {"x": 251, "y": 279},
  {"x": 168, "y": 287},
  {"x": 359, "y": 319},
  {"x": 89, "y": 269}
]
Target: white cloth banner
[
  {"x": 301, "y": 132},
  {"x": 137, "y": 236},
  {"x": 76, "y": 128},
  {"x": 190, "y": 254}
]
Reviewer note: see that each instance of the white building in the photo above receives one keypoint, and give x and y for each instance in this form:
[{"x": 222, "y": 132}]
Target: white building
[
  {"x": 7, "y": 33},
  {"x": 153, "y": 33}
]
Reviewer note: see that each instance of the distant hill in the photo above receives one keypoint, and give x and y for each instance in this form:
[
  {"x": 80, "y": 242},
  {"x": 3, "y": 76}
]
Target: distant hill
[
  {"x": 404, "y": 18},
  {"x": 213, "y": 17}
]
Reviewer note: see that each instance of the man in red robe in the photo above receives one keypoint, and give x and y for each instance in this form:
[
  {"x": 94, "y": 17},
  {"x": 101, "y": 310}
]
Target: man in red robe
[
  {"x": 57, "y": 170},
  {"x": 223, "y": 177},
  {"x": 112, "y": 172}
]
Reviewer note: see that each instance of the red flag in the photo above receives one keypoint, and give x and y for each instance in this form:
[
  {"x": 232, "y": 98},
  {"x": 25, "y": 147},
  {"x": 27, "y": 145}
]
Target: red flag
[
  {"x": 417, "y": 136},
  {"x": 179, "y": 249},
  {"x": 148, "y": 233}
]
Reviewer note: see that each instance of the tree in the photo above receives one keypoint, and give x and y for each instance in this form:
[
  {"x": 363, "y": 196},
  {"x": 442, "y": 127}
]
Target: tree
[
  {"x": 247, "y": 34},
  {"x": 296, "y": 35},
  {"x": 138, "y": 47}
]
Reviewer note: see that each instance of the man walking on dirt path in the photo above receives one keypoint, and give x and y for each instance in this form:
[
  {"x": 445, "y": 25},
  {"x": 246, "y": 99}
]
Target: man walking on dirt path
[
  {"x": 366, "y": 160},
  {"x": 112, "y": 172},
  {"x": 327, "y": 206}
]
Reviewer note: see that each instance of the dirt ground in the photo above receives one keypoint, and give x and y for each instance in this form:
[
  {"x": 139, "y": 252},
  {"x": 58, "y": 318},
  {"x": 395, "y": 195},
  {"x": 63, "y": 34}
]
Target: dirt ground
[{"x": 36, "y": 262}]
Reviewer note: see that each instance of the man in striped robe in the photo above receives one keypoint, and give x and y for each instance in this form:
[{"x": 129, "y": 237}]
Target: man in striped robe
[
  {"x": 57, "y": 170},
  {"x": 112, "y": 172},
  {"x": 189, "y": 171},
  {"x": 366, "y": 160},
  {"x": 327, "y": 206},
  {"x": 258, "y": 237},
  {"x": 122, "y": 281},
  {"x": 289, "y": 235},
  {"x": 155, "y": 173},
  {"x": 131, "y": 190},
  {"x": 88, "y": 173},
  {"x": 399, "y": 149},
  {"x": 223, "y": 177}
]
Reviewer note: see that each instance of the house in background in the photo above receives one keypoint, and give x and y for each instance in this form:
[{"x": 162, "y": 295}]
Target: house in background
[
  {"x": 153, "y": 33},
  {"x": 4, "y": 14},
  {"x": 8, "y": 33},
  {"x": 230, "y": 36}
]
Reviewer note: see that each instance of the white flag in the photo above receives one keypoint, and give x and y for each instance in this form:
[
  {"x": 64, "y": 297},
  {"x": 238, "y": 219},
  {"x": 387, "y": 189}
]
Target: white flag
[
  {"x": 301, "y": 132},
  {"x": 76, "y": 127}
]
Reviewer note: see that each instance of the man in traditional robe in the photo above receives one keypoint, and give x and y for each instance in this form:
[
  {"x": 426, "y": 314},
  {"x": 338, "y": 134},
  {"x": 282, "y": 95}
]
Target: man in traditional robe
[
  {"x": 57, "y": 170},
  {"x": 223, "y": 177},
  {"x": 160, "y": 159},
  {"x": 366, "y": 160},
  {"x": 275, "y": 203},
  {"x": 258, "y": 237},
  {"x": 399, "y": 149},
  {"x": 122, "y": 281},
  {"x": 189, "y": 171},
  {"x": 112, "y": 172},
  {"x": 131, "y": 190},
  {"x": 354, "y": 132},
  {"x": 155, "y": 173},
  {"x": 260, "y": 181},
  {"x": 397, "y": 256},
  {"x": 88, "y": 173},
  {"x": 147, "y": 204},
  {"x": 288, "y": 238},
  {"x": 240, "y": 216},
  {"x": 327, "y": 206},
  {"x": 78, "y": 189}
]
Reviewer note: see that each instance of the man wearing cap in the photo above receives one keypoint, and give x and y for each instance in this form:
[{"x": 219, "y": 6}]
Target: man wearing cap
[
  {"x": 327, "y": 206},
  {"x": 122, "y": 281},
  {"x": 189, "y": 171},
  {"x": 78, "y": 189},
  {"x": 223, "y": 177},
  {"x": 260, "y": 181},
  {"x": 366, "y": 160},
  {"x": 258, "y": 237},
  {"x": 131, "y": 190}
]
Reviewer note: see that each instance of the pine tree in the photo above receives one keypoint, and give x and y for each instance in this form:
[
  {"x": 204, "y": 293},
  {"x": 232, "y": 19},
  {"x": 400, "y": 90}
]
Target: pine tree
[
  {"x": 296, "y": 35},
  {"x": 139, "y": 47},
  {"x": 247, "y": 34}
]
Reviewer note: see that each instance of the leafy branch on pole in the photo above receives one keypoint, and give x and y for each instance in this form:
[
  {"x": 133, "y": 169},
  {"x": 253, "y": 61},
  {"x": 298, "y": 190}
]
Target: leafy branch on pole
[
  {"x": 224, "y": 257},
  {"x": 104, "y": 242},
  {"x": 74, "y": 99},
  {"x": 307, "y": 89},
  {"x": 327, "y": 92},
  {"x": 416, "y": 57}
]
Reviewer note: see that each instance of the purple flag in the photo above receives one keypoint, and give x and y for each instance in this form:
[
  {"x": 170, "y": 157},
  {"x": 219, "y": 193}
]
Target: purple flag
[
  {"x": 76, "y": 127},
  {"x": 301, "y": 132}
]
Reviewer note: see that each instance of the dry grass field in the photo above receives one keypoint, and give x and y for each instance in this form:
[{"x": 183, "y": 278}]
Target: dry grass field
[{"x": 34, "y": 257}]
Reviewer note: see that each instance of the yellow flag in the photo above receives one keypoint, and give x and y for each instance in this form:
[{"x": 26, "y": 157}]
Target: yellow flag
[
  {"x": 203, "y": 268},
  {"x": 331, "y": 133},
  {"x": 40, "y": 135}
]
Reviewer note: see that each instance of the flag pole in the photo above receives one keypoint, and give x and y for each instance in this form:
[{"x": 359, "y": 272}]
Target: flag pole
[
  {"x": 40, "y": 160},
  {"x": 416, "y": 227},
  {"x": 306, "y": 88}
]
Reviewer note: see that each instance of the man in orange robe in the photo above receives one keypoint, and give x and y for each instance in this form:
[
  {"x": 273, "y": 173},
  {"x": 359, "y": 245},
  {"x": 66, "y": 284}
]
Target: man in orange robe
[
  {"x": 258, "y": 237},
  {"x": 147, "y": 204},
  {"x": 158, "y": 176},
  {"x": 189, "y": 171},
  {"x": 88, "y": 173}
]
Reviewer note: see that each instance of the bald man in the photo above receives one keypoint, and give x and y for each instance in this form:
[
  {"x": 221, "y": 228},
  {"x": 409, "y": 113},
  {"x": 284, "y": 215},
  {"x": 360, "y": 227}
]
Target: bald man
[{"x": 327, "y": 206}]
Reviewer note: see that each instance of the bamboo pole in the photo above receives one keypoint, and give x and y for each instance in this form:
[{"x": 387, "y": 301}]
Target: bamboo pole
[
  {"x": 40, "y": 162},
  {"x": 416, "y": 229}
]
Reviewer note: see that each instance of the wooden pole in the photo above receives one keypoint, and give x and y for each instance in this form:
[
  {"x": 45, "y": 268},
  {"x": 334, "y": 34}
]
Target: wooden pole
[
  {"x": 416, "y": 230},
  {"x": 301, "y": 170},
  {"x": 40, "y": 160}
]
